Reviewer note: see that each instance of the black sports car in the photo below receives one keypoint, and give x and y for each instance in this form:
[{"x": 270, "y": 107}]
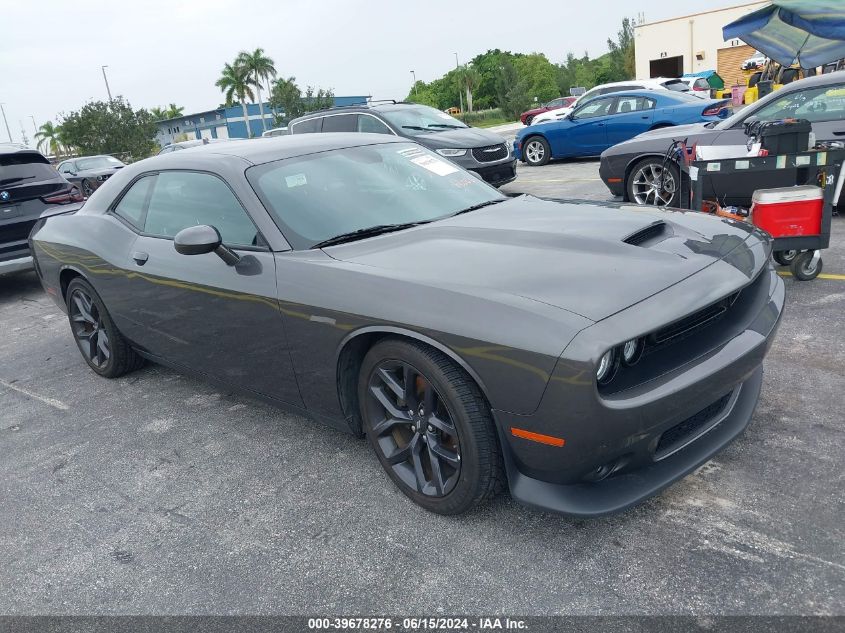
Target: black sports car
[
  {"x": 632, "y": 169},
  {"x": 89, "y": 172},
  {"x": 582, "y": 354}
]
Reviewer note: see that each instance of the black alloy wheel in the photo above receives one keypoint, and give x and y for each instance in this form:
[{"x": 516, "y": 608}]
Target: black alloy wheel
[
  {"x": 429, "y": 426},
  {"x": 87, "y": 189},
  {"x": 101, "y": 345}
]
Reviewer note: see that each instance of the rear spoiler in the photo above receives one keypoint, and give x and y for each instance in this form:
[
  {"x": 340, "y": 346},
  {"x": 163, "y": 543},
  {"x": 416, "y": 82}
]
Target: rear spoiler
[{"x": 61, "y": 209}]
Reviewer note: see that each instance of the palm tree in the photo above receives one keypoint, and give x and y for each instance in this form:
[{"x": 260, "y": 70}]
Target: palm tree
[
  {"x": 173, "y": 111},
  {"x": 51, "y": 136},
  {"x": 470, "y": 79},
  {"x": 235, "y": 82},
  {"x": 159, "y": 114},
  {"x": 260, "y": 68}
]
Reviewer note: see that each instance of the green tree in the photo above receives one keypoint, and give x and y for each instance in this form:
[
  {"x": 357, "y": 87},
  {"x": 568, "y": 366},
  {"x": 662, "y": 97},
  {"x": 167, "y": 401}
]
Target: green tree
[
  {"x": 235, "y": 83},
  {"x": 158, "y": 114},
  {"x": 286, "y": 97},
  {"x": 50, "y": 135},
  {"x": 173, "y": 111},
  {"x": 260, "y": 69},
  {"x": 110, "y": 127},
  {"x": 622, "y": 52},
  {"x": 509, "y": 93},
  {"x": 317, "y": 99}
]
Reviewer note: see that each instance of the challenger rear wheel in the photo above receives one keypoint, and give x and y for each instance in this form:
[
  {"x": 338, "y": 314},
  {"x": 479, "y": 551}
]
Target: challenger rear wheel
[
  {"x": 430, "y": 427},
  {"x": 101, "y": 345}
]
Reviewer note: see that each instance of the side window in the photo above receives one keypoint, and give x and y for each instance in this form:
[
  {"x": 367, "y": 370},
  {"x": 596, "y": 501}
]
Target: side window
[
  {"x": 307, "y": 126},
  {"x": 131, "y": 205},
  {"x": 825, "y": 103},
  {"x": 367, "y": 123},
  {"x": 182, "y": 198},
  {"x": 341, "y": 123},
  {"x": 65, "y": 168},
  {"x": 595, "y": 108},
  {"x": 632, "y": 104}
]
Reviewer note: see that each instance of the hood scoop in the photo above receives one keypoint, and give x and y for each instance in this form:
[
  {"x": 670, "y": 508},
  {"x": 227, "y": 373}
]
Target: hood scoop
[{"x": 653, "y": 233}]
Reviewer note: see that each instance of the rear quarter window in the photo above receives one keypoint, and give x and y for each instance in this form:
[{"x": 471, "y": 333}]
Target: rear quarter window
[{"x": 307, "y": 126}]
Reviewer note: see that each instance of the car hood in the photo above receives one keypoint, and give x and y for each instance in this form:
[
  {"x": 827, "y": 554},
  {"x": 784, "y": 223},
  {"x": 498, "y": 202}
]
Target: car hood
[
  {"x": 459, "y": 139},
  {"x": 569, "y": 255}
]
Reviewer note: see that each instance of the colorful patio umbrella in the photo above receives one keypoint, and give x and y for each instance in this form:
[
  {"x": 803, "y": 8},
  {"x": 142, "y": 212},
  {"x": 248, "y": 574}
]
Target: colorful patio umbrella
[{"x": 809, "y": 32}]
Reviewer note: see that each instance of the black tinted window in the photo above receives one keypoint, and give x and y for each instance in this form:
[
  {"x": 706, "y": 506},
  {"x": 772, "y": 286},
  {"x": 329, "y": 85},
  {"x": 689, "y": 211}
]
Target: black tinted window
[
  {"x": 309, "y": 125},
  {"x": 181, "y": 199},
  {"x": 131, "y": 205},
  {"x": 341, "y": 123},
  {"x": 24, "y": 168},
  {"x": 367, "y": 123}
]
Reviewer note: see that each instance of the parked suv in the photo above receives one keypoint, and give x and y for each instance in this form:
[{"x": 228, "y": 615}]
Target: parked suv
[
  {"x": 480, "y": 151},
  {"x": 28, "y": 186}
]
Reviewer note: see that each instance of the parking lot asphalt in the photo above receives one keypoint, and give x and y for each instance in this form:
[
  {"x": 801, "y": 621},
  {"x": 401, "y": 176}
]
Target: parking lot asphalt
[{"x": 156, "y": 493}]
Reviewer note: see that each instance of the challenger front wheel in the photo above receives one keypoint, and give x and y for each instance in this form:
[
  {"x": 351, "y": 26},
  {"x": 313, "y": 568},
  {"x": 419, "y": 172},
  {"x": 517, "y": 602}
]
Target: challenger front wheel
[{"x": 430, "y": 427}]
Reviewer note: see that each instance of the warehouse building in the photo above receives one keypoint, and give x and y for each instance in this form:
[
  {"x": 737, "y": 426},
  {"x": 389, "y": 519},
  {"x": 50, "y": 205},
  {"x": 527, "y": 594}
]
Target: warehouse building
[
  {"x": 691, "y": 44},
  {"x": 226, "y": 122}
]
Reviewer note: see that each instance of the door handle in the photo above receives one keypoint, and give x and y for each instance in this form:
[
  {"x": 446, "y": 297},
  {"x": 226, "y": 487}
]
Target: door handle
[
  {"x": 140, "y": 258},
  {"x": 839, "y": 133},
  {"x": 644, "y": 117}
]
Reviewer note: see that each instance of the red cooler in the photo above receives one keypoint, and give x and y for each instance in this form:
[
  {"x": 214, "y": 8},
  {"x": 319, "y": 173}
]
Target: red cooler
[{"x": 788, "y": 211}]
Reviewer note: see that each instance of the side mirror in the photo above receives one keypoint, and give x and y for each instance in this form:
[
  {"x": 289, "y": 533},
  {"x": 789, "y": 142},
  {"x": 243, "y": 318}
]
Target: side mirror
[{"x": 202, "y": 239}]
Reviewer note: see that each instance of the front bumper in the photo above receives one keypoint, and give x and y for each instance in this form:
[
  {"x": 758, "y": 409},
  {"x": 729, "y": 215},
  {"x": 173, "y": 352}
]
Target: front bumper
[
  {"x": 18, "y": 264},
  {"x": 616, "y": 451},
  {"x": 498, "y": 174}
]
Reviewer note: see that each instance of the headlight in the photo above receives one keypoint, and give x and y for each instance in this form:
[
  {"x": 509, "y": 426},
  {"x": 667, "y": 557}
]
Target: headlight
[
  {"x": 451, "y": 152},
  {"x": 607, "y": 367},
  {"x": 632, "y": 350}
]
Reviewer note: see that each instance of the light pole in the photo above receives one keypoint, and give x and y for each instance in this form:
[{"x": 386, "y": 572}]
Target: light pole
[
  {"x": 106, "y": 79},
  {"x": 460, "y": 87},
  {"x": 414, "y": 88},
  {"x": 8, "y": 131}
]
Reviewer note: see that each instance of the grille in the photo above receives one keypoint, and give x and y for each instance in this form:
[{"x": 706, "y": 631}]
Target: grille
[
  {"x": 689, "y": 325},
  {"x": 680, "y": 433},
  {"x": 490, "y": 153}
]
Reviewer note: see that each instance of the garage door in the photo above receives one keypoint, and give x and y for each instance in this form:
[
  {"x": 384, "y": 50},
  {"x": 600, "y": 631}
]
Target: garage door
[{"x": 729, "y": 61}]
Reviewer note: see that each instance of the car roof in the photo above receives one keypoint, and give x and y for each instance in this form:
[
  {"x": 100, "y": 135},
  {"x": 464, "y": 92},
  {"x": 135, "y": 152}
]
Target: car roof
[
  {"x": 15, "y": 148},
  {"x": 378, "y": 106},
  {"x": 271, "y": 148}
]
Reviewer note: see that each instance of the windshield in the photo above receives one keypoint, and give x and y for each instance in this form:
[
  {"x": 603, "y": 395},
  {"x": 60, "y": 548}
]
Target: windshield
[
  {"x": 316, "y": 197},
  {"x": 417, "y": 120},
  {"x": 97, "y": 162}
]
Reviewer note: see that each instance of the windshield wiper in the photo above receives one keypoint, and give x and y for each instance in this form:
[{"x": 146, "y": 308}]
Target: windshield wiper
[
  {"x": 416, "y": 127},
  {"x": 9, "y": 181},
  {"x": 480, "y": 205},
  {"x": 447, "y": 125},
  {"x": 370, "y": 231}
]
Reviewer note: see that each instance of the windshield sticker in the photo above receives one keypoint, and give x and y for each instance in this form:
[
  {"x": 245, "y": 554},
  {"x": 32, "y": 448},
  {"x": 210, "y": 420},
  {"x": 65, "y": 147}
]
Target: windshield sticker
[
  {"x": 297, "y": 180},
  {"x": 410, "y": 152},
  {"x": 435, "y": 166}
]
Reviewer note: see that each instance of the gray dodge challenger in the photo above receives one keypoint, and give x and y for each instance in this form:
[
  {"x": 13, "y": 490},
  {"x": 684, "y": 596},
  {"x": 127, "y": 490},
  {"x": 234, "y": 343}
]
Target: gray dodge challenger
[{"x": 585, "y": 356}]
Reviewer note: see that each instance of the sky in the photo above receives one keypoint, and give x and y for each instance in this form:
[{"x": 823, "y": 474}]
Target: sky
[{"x": 172, "y": 52}]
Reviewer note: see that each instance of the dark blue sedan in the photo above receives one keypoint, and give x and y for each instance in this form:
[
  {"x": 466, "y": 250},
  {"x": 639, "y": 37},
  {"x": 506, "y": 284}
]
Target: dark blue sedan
[{"x": 605, "y": 121}]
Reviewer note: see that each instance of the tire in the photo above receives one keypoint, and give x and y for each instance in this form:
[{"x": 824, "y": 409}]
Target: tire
[
  {"x": 784, "y": 258},
  {"x": 528, "y": 120},
  {"x": 104, "y": 349},
  {"x": 536, "y": 151},
  {"x": 803, "y": 269},
  {"x": 86, "y": 187},
  {"x": 398, "y": 380},
  {"x": 638, "y": 185}
]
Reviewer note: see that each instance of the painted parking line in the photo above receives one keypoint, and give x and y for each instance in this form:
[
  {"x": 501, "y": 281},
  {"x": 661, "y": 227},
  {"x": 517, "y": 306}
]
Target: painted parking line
[
  {"x": 786, "y": 273},
  {"x": 533, "y": 181},
  {"x": 58, "y": 404}
]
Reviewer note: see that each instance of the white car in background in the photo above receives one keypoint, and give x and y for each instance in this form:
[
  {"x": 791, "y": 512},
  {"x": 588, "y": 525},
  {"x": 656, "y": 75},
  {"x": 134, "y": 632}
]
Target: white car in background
[{"x": 658, "y": 83}]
